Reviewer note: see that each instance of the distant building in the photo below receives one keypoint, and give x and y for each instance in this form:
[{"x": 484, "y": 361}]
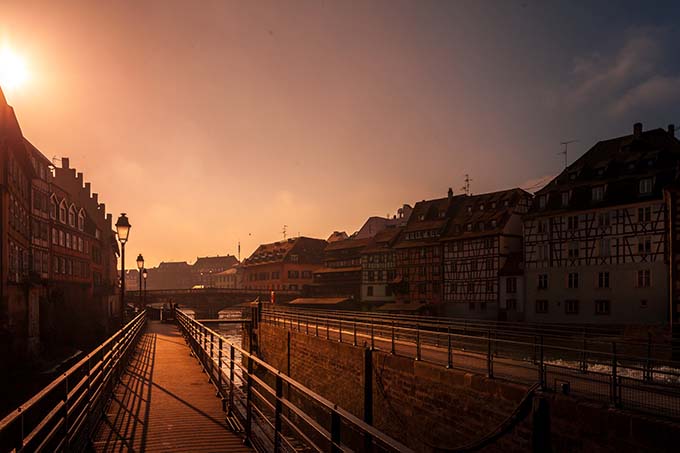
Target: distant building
[
  {"x": 170, "y": 275},
  {"x": 337, "y": 236},
  {"x": 374, "y": 225},
  {"x": 595, "y": 240},
  {"x": 418, "y": 254},
  {"x": 340, "y": 275},
  {"x": 229, "y": 279},
  {"x": 379, "y": 268},
  {"x": 205, "y": 268},
  {"x": 482, "y": 232},
  {"x": 283, "y": 265}
]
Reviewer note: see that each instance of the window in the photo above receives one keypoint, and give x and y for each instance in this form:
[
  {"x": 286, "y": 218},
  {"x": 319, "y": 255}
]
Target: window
[
  {"x": 543, "y": 252},
  {"x": 541, "y": 306},
  {"x": 602, "y": 307},
  {"x": 435, "y": 288},
  {"x": 81, "y": 220},
  {"x": 53, "y": 209},
  {"x": 422, "y": 288},
  {"x": 573, "y": 250},
  {"x": 571, "y": 307},
  {"x": 572, "y": 280},
  {"x": 511, "y": 285},
  {"x": 511, "y": 304},
  {"x": 72, "y": 216},
  {"x": 605, "y": 247},
  {"x": 644, "y": 245},
  {"x": 62, "y": 212},
  {"x": 369, "y": 290},
  {"x": 644, "y": 214},
  {"x": 541, "y": 201},
  {"x": 371, "y": 276},
  {"x": 471, "y": 306},
  {"x": 388, "y": 290},
  {"x": 603, "y": 280},
  {"x": 293, "y": 258},
  {"x": 643, "y": 278},
  {"x": 305, "y": 274},
  {"x": 293, "y": 274},
  {"x": 293, "y": 287},
  {"x": 604, "y": 219},
  {"x": 565, "y": 199},
  {"x": 55, "y": 236},
  {"x": 646, "y": 186},
  {"x": 482, "y": 306},
  {"x": 542, "y": 281},
  {"x": 597, "y": 193},
  {"x": 468, "y": 227},
  {"x": 542, "y": 226},
  {"x": 572, "y": 222}
]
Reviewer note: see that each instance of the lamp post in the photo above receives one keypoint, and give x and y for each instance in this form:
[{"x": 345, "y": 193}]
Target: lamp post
[
  {"x": 140, "y": 266},
  {"x": 123, "y": 231},
  {"x": 145, "y": 274}
]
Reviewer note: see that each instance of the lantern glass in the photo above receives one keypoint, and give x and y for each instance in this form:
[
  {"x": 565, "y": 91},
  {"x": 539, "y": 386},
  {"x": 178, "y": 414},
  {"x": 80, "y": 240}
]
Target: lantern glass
[
  {"x": 140, "y": 262},
  {"x": 123, "y": 228}
]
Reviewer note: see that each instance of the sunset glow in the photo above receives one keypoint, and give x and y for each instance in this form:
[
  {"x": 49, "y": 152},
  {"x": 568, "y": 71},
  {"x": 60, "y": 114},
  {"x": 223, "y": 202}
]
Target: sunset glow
[{"x": 13, "y": 73}]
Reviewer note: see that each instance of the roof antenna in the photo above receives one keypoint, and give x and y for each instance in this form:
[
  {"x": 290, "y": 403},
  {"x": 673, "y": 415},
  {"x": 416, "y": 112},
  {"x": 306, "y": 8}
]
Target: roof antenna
[
  {"x": 466, "y": 186},
  {"x": 285, "y": 230},
  {"x": 566, "y": 149}
]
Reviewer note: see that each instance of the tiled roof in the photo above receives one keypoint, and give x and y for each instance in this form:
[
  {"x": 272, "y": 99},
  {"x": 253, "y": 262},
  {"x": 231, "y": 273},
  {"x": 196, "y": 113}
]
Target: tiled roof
[
  {"x": 309, "y": 250},
  {"x": 216, "y": 261},
  {"x": 617, "y": 165},
  {"x": 174, "y": 265},
  {"x": 348, "y": 244}
]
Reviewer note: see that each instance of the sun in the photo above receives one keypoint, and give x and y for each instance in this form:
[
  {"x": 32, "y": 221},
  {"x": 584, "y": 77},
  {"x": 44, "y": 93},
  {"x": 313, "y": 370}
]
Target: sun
[{"x": 13, "y": 73}]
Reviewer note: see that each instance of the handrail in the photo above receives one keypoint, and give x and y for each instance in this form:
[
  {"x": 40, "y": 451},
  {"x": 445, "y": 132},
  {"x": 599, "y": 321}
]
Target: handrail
[
  {"x": 599, "y": 370},
  {"x": 63, "y": 415},
  {"x": 260, "y": 379}
]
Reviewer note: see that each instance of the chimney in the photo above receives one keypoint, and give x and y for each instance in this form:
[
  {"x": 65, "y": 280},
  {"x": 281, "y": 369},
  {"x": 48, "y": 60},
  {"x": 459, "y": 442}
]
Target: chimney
[
  {"x": 450, "y": 193},
  {"x": 671, "y": 130},
  {"x": 637, "y": 130},
  {"x": 64, "y": 162}
]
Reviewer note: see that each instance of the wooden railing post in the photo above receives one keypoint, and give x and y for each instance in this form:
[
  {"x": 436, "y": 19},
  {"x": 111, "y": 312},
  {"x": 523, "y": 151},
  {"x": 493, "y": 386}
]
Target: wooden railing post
[
  {"x": 449, "y": 360},
  {"x": 231, "y": 379},
  {"x": 249, "y": 401},
  {"x": 335, "y": 431},
  {"x": 277, "y": 414}
]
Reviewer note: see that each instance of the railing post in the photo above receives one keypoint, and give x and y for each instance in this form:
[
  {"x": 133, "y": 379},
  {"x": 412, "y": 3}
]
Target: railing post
[
  {"x": 392, "y": 350},
  {"x": 316, "y": 326},
  {"x": 648, "y": 364},
  {"x": 249, "y": 401},
  {"x": 231, "y": 379},
  {"x": 372, "y": 338},
  {"x": 211, "y": 372},
  {"x": 219, "y": 368},
  {"x": 328, "y": 335},
  {"x": 66, "y": 407},
  {"x": 614, "y": 389},
  {"x": 541, "y": 371},
  {"x": 449, "y": 362},
  {"x": 340, "y": 330},
  {"x": 489, "y": 356},
  {"x": 277, "y": 414},
  {"x": 355, "y": 333},
  {"x": 335, "y": 431},
  {"x": 417, "y": 341},
  {"x": 307, "y": 326}
]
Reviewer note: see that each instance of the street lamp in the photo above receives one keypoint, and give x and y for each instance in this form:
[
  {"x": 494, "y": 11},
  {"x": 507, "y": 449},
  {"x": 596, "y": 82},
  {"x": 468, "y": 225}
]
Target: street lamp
[
  {"x": 140, "y": 266},
  {"x": 145, "y": 274},
  {"x": 123, "y": 231}
]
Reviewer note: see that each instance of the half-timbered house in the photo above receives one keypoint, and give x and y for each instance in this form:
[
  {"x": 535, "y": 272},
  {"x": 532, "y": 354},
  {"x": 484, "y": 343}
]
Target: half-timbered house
[
  {"x": 595, "y": 239},
  {"x": 482, "y": 233}
]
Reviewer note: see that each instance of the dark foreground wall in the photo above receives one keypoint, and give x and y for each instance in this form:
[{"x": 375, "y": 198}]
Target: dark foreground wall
[{"x": 431, "y": 408}]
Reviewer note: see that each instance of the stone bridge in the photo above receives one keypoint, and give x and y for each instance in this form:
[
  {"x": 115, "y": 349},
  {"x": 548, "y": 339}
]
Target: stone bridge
[{"x": 207, "y": 302}]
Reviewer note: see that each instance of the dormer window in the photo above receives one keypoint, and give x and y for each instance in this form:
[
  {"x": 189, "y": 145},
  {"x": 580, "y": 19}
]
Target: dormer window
[
  {"x": 572, "y": 175},
  {"x": 81, "y": 220},
  {"x": 646, "y": 186},
  {"x": 541, "y": 201},
  {"x": 421, "y": 217},
  {"x": 506, "y": 203},
  {"x": 494, "y": 224},
  {"x": 468, "y": 227},
  {"x": 53, "y": 208},
  {"x": 481, "y": 226},
  {"x": 72, "y": 216},
  {"x": 442, "y": 214},
  {"x": 62, "y": 212},
  {"x": 600, "y": 171},
  {"x": 481, "y": 207},
  {"x": 597, "y": 193},
  {"x": 493, "y": 205},
  {"x": 565, "y": 199},
  {"x": 469, "y": 209}
]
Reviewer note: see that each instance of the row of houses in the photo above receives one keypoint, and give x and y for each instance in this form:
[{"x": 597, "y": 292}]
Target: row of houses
[
  {"x": 595, "y": 245},
  {"x": 58, "y": 250}
]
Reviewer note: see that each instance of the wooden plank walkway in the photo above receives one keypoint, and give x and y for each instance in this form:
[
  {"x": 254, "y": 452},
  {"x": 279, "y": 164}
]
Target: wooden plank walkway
[{"x": 164, "y": 402}]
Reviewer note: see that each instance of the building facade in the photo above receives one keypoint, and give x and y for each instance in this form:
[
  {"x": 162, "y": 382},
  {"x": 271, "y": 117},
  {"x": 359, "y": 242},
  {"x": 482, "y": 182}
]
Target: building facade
[
  {"x": 596, "y": 248},
  {"x": 483, "y": 231},
  {"x": 283, "y": 265},
  {"x": 379, "y": 268},
  {"x": 340, "y": 275}
]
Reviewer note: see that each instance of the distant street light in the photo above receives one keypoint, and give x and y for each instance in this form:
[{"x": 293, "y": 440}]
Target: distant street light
[
  {"x": 145, "y": 274},
  {"x": 123, "y": 231},
  {"x": 140, "y": 266}
]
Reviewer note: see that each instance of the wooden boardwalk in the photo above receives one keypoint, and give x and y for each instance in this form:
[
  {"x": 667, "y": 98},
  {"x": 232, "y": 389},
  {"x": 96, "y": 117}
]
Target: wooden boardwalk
[{"x": 164, "y": 402}]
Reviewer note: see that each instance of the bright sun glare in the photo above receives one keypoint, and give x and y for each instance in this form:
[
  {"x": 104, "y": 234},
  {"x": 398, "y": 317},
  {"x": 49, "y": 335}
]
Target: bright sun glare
[{"x": 13, "y": 72}]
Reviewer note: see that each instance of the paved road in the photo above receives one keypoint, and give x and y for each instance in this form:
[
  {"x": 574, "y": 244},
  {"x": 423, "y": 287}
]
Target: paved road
[{"x": 164, "y": 402}]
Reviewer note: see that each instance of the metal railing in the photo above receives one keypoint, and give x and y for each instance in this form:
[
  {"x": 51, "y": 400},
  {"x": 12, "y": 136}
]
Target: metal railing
[
  {"x": 595, "y": 369},
  {"x": 275, "y": 412},
  {"x": 63, "y": 415}
]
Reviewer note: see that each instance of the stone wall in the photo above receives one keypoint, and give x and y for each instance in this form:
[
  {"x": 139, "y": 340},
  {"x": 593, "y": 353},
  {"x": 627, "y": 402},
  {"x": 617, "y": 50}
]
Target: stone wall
[{"x": 430, "y": 408}]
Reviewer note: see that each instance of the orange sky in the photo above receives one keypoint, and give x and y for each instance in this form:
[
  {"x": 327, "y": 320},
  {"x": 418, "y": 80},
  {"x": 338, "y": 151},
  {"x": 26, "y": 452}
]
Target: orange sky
[{"x": 219, "y": 123}]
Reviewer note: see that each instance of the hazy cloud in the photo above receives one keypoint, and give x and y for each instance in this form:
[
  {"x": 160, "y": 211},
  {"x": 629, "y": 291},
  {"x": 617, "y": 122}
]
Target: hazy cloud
[{"x": 651, "y": 92}]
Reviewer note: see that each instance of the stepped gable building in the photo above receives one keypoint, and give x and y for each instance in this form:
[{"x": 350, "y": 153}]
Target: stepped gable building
[
  {"x": 595, "y": 239},
  {"x": 418, "y": 257},
  {"x": 170, "y": 275},
  {"x": 482, "y": 232},
  {"x": 378, "y": 264},
  {"x": 340, "y": 275},
  {"x": 283, "y": 265},
  {"x": 205, "y": 268}
]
